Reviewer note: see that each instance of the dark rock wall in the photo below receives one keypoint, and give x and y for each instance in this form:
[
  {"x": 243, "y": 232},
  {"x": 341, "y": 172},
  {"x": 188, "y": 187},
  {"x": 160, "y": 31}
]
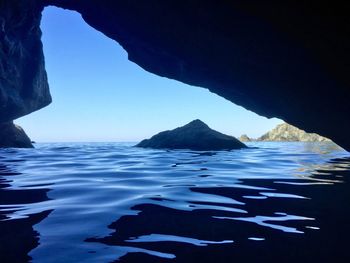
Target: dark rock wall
[
  {"x": 23, "y": 81},
  {"x": 12, "y": 135},
  {"x": 283, "y": 59}
]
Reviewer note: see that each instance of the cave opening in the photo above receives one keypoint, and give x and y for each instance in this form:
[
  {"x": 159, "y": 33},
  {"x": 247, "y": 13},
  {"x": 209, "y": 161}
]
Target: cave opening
[
  {"x": 114, "y": 202},
  {"x": 99, "y": 95}
]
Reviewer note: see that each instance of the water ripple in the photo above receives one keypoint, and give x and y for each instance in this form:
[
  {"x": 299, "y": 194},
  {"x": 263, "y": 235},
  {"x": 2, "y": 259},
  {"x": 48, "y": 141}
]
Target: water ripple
[{"x": 100, "y": 202}]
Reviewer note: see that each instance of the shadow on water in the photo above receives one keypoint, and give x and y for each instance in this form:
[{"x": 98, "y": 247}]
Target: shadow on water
[
  {"x": 299, "y": 221},
  {"x": 17, "y": 236}
]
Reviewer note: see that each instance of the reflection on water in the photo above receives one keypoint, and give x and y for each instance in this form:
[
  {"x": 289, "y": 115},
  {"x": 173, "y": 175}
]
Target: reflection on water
[
  {"x": 170, "y": 238},
  {"x": 263, "y": 221},
  {"x": 17, "y": 236},
  {"x": 104, "y": 202}
]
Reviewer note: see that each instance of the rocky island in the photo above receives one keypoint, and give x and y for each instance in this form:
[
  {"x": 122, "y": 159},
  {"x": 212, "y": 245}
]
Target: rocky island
[
  {"x": 195, "y": 135},
  {"x": 245, "y": 138}
]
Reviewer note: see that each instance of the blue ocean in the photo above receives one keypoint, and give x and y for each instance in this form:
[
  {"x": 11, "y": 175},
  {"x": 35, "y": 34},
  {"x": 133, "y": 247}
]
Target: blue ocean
[{"x": 112, "y": 202}]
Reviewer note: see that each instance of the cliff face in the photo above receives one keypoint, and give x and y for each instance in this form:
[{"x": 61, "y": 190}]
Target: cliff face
[
  {"x": 282, "y": 59},
  {"x": 23, "y": 81},
  {"x": 287, "y": 133}
]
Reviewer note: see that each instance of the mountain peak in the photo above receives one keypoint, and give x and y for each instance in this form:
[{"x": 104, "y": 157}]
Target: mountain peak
[{"x": 197, "y": 123}]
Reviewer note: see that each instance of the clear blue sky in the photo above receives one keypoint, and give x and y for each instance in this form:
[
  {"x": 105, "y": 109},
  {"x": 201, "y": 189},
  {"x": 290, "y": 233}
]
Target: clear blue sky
[{"x": 98, "y": 95}]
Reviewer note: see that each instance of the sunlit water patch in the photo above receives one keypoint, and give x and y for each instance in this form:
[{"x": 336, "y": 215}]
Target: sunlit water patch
[{"x": 104, "y": 202}]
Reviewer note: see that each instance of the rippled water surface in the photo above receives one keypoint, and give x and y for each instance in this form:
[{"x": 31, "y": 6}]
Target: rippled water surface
[{"x": 111, "y": 202}]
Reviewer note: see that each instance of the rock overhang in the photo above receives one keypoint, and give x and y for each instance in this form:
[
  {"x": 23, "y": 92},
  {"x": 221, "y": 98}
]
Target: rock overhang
[{"x": 285, "y": 60}]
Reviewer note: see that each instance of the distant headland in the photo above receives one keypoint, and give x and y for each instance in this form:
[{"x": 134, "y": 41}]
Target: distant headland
[{"x": 286, "y": 133}]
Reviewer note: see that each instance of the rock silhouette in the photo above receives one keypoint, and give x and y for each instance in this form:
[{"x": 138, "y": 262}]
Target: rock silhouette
[
  {"x": 283, "y": 59},
  {"x": 12, "y": 135},
  {"x": 195, "y": 135}
]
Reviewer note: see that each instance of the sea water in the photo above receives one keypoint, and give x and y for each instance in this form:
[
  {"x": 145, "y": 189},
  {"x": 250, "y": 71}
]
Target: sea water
[{"x": 112, "y": 202}]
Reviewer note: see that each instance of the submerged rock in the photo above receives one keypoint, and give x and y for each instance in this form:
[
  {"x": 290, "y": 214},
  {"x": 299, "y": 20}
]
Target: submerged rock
[
  {"x": 195, "y": 135},
  {"x": 12, "y": 135},
  {"x": 287, "y": 133}
]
